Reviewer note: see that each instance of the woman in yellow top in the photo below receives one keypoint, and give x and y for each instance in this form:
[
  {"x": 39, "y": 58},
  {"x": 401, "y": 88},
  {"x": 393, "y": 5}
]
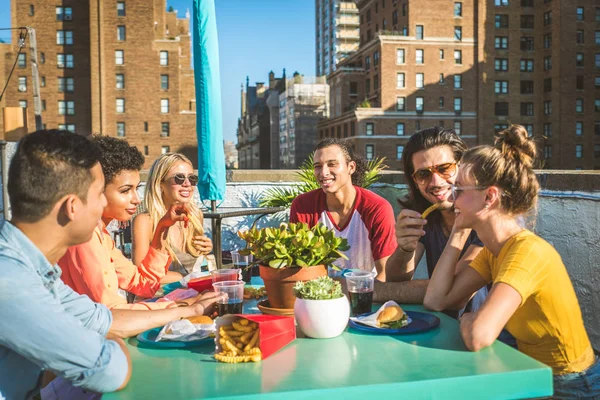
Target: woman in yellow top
[
  {"x": 171, "y": 181},
  {"x": 532, "y": 294}
]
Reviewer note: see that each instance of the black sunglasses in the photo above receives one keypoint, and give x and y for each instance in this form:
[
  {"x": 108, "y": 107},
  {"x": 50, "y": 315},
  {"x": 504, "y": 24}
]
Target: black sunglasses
[{"x": 180, "y": 179}]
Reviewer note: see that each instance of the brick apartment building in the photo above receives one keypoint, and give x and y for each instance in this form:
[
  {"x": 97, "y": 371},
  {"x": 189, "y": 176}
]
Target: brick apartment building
[
  {"x": 474, "y": 66},
  {"x": 119, "y": 68}
]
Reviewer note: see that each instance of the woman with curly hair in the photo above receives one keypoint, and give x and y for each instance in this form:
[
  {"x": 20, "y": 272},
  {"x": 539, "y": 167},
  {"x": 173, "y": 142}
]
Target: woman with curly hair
[
  {"x": 171, "y": 181},
  {"x": 100, "y": 270},
  {"x": 531, "y": 293}
]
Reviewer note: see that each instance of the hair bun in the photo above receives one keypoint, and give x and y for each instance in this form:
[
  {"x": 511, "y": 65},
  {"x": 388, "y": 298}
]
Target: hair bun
[{"x": 514, "y": 143}]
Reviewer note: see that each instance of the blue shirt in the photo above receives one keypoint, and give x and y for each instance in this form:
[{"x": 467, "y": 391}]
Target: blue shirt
[{"x": 47, "y": 326}]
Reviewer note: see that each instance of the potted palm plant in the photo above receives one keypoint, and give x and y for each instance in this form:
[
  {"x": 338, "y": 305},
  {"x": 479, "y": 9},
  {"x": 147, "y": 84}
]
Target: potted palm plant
[
  {"x": 293, "y": 252},
  {"x": 321, "y": 309}
]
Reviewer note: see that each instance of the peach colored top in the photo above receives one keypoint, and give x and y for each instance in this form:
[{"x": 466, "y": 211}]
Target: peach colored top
[{"x": 98, "y": 269}]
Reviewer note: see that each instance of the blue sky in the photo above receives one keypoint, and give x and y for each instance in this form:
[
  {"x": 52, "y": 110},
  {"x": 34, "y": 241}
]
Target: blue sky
[{"x": 255, "y": 37}]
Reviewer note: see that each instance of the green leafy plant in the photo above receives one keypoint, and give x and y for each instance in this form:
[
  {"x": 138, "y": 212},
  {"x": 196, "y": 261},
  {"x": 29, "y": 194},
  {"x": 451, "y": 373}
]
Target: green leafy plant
[
  {"x": 322, "y": 288},
  {"x": 283, "y": 197},
  {"x": 294, "y": 245}
]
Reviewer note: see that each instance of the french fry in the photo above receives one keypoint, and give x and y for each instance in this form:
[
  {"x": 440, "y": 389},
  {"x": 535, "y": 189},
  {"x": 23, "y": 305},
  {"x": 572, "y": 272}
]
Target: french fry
[
  {"x": 239, "y": 342},
  {"x": 430, "y": 209},
  {"x": 246, "y": 337},
  {"x": 239, "y": 327},
  {"x": 244, "y": 321},
  {"x": 252, "y": 342}
]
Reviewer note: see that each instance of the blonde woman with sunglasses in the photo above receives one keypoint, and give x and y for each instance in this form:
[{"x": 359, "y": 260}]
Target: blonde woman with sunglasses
[{"x": 171, "y": 180}]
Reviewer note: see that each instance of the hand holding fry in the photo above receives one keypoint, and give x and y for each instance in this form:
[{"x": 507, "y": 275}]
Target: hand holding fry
[
  {"x": 409, "y": 229},
  {"x": 203, "y": 244}
]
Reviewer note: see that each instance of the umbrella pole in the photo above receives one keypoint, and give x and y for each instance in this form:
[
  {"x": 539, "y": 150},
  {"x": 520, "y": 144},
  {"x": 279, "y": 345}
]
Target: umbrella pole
[{"x": 216, "y": 229}]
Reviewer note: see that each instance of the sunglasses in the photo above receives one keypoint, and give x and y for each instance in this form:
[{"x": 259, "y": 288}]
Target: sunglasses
[
  {"x": 455, "y": 190},
  {"x": 179, "y": 179},
  {"x": 424, "y": 175}
]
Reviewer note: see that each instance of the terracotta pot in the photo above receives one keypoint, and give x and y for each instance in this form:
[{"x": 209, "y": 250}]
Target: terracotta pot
[{"x": 279, "y": 283}]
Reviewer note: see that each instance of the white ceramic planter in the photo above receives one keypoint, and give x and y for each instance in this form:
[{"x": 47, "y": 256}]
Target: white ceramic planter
[{"x": 322, "y": 319}]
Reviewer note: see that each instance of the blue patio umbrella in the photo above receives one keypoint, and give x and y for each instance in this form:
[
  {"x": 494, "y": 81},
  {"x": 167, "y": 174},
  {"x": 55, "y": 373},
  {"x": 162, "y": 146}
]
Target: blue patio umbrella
[{"x": 209, "y": 124}]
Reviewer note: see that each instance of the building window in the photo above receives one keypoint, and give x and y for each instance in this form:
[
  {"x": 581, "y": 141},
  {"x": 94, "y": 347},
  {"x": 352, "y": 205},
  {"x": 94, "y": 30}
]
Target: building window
[
  {"x": 369, "y": 151},
  {"x": 501, "y": 108},
  {"x": 547, "y": 18},
  {"x": 548, "y": 130},
  {"x": 458, "y": 33},
  {"x": 419, "y": 56},
  {"x": 441, "y": 54},
  {"x": 441, "y": 80},
  {"x": 22, "y": 60},
  {"x": 419, "y": 32},
  {"x": 578, "y": 151},
  {"x": 547, "y": 85},
  {"x": 399, "y": 151},
  {"x": 121, "y": 33},
  {"x": 579, "y": 36},
  {"x": 66, "y": 85},
  {"x": 400, "y": 56},
  {"x": 501, "y": 42},
  {"x": 457, "y": 104},
  {"x": 457, "y": 127},
  {"x": 580, "y": 14},
  {"x": 64, "y": 13},
  {"x": 420, "y": 78},
  {"x": 501, "y": 3},
  {"x": 400, "y": 129},
  {"x": 548, "y": 41},
  {"x": 418, "y": 125},
  {"x": 597, "y": 38},
  {"x": 120, "y": 81},
  {"x": 579, "y": 60},
  {"x": 529, "y": 129},
  {"x": 119, "y": 57},
  {"x": 579, "y": 106},
  {"x": 31, "y": 10},
  {"x": 146, "y": 150},
  {"x": 43, "y": 81},
  {"x": 66, "y": 127},
  {"x": 578, "y": 128},
  {"x": 400, "y": 80},
  {"x": 457, "y": 56},
  {"x": 458, "y": 81},
  {"x": 597, "y": 82},
  {"x": 547, "y": 152},
  {"x": 164, "y": 82},
  {"x": 526, "y": 87},
  {"x": 66, "y": 107},
  {"x": 165, "y": 149},
  {"x": 120, "y": 9},
  {"x": 526, "y": 65},
  {"x": 597, "y": 105},
  {"x": 441, "y": 102},
  {"x": 369, "y": 128},
  {"x": 501, "y": 87},
  {"x": 42, "y": 58},
  {"x": 23, "y": 103},
  {"x": 376, "y": 82},
  {"x": 376, "y": 58},
  {"x": 501, "y": 64},
  {"x": 64, "y": 37},
  {"x": 22, "y": 84},
  {"x": 547, "y": 107},
  {"x": 367, "y": 86},
  {"x": 457, "y": 10},
  {"x": 526, "y": 3},
  {"x": 597, "y": 151},
  {"x": 164, "y": 57},
  {"x": 419, "y": 104},
  {"x": 527, "y": 43},
  {"x": 579, "y": 82},
  {"x": 145, "y": 126},
  {"x": 400, "y": 103},
  {"x": 120, "y": 129},
  {"x": 367, "y": 63},
  {"x": 527, "y": 109},
  {"x": 501, "y": 21},
  {"x": 526, "y": 21},
  {"x": 120, "y": 106},
  {"x": 165, "y": 130}
]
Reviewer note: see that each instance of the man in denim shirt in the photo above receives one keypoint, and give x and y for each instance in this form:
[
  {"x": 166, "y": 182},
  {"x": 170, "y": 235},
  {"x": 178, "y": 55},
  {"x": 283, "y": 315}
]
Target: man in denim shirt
[{"x": 56, "y": 187}]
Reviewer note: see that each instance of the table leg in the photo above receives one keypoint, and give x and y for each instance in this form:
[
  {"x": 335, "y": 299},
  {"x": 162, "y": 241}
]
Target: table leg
[{"x": 218, "y": 247}]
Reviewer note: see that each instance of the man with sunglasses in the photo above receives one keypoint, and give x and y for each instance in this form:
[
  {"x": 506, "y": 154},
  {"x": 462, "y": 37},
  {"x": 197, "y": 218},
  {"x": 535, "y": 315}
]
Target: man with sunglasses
[{"x": 430, "y": 166}]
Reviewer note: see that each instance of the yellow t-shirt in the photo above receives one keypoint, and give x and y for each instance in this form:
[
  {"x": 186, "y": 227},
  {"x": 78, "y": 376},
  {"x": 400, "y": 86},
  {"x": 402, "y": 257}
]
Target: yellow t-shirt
[{"x": 547, "y": 325}]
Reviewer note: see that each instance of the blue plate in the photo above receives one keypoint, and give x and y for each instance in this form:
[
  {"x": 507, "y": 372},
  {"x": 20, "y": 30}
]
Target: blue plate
[
  {"x": 421, "y": 322},
  {"x": 147, "y": 339}
]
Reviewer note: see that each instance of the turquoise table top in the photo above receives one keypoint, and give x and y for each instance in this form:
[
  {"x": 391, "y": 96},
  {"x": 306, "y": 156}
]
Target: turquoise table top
[{"x": 429, "y": 365}]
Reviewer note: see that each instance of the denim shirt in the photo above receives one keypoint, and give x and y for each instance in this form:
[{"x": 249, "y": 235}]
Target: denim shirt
[{"x": 44, "y": 325}]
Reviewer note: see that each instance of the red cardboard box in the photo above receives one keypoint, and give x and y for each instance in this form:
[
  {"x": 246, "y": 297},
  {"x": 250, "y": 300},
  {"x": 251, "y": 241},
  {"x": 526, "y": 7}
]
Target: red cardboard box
[
  {"x": 201, "y": 284},
  {"x": 274, "y": 331}
]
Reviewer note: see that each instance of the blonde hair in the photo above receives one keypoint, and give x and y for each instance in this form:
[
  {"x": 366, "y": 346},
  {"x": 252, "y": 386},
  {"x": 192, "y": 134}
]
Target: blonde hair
[
  {"x": 155, "y": 206},
  {"x": 509, "y": 166}
]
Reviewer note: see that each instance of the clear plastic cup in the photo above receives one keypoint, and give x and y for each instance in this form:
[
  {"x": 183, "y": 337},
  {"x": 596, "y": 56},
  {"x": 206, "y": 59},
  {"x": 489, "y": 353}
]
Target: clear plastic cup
[
  {"x": 242, "y": 262},
  {"x": 233, "y": 301},
  {"x": 219, "y": 275},
  {"x": 360, "y": 290}
]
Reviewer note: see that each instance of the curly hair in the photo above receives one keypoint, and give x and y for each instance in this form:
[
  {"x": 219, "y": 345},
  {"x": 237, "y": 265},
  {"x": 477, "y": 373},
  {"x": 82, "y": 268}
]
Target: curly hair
[
  {"x": 358, "y": 176},
  {"x": 117, "y": 155}
]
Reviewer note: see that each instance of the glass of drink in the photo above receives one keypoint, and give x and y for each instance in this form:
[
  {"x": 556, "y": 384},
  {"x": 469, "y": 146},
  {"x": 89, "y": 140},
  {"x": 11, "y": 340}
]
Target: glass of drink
[
  {"x": 233, "y": 301},
  {"x": 219, "y": 275},
  {"x": 360, "y": 290},
  {"x": 242, "y": 262}
]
